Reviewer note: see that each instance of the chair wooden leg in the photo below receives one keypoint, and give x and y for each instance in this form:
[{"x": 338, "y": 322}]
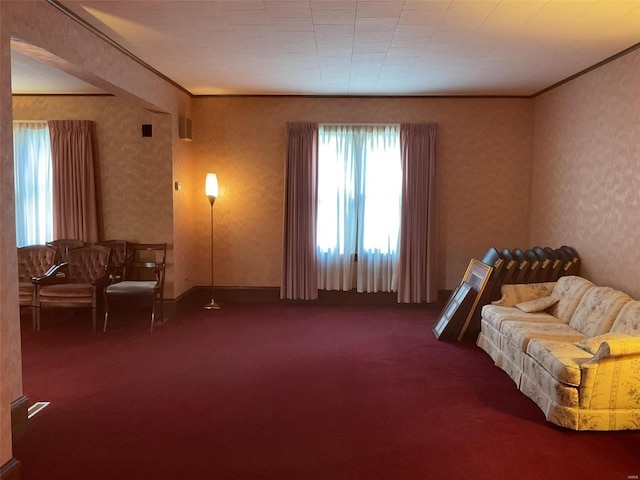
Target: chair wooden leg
[
  {"x": 106, "y": 312},
  {"x": 153, "y": 313},
  {"x": 93, "y": 317}
]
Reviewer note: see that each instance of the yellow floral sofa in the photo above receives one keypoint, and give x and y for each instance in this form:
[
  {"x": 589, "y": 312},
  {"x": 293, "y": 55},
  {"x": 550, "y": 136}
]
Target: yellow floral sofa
[{"x": 572, "y": 347}]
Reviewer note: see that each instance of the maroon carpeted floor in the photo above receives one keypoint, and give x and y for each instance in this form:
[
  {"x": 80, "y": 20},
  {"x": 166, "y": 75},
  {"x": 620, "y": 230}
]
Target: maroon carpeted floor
[{"x": 271, "y": 391}]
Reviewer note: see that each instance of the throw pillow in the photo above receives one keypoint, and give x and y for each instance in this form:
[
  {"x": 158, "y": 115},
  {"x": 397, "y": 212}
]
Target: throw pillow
[
  {"x": 537, "y": 304},
  {"x": 521, "y": 292}
]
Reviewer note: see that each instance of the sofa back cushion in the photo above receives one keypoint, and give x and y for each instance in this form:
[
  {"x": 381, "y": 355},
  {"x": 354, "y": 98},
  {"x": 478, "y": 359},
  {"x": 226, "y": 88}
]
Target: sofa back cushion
[
  {"x": 569, "y": 290},
  {"x": 628, "y": 320},
  {"x": 597, "y": 310}
]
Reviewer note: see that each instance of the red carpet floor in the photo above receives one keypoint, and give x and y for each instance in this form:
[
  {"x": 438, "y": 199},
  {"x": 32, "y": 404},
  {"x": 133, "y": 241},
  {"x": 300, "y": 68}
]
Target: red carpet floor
[{"x": 281, "y": 391}]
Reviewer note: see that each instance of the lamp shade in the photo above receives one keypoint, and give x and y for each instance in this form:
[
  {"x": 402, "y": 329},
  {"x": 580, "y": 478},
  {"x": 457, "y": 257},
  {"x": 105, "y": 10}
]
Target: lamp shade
[{"x": 211, "y": 186}]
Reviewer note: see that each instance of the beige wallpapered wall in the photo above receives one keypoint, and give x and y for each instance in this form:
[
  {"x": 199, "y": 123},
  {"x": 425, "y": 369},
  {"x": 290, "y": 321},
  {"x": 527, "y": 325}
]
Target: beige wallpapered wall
[
  {"x": 483, "y": 154},
  {"x": 586, "y": 171},
  {"x": 135, "y": 172},
  {"x": 483, "y": 147}
]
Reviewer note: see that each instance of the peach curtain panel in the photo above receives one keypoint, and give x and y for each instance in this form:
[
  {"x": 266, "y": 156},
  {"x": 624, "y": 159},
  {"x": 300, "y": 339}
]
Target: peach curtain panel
[
  {"x": 417, "y": 281},
  {"x": 299, "y": 269},
  {"x": 75, "y": 206}
]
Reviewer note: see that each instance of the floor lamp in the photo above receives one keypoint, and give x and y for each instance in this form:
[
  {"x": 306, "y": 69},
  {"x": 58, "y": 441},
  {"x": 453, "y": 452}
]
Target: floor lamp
[{"x": 211, "y": 189}]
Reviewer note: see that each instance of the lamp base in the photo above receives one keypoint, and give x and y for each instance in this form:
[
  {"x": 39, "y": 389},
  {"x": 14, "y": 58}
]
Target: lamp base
[{"x": 212, "y": 305}]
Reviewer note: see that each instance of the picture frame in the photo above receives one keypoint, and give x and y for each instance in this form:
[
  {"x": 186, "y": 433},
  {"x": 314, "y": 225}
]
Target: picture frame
[
  {"x": 454, "y": 312},
  {"x": 477, "y": 276}
]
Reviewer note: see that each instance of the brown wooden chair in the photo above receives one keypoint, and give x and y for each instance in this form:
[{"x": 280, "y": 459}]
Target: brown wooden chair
[
  {"x": 144, "y": 277},
  {"x": 33, "y": 261},
  {"x": 120, "y": 254},
  {"x": 76, "y": 283},
  {"x": 63, "y": 246}
]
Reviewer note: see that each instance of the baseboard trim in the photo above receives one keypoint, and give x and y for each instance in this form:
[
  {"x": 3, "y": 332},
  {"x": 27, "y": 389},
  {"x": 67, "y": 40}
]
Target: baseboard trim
[
  {"x": 202, "y": 296},
  {"x": 19, "y": 417},
  {"x": 10, "y": 470}
]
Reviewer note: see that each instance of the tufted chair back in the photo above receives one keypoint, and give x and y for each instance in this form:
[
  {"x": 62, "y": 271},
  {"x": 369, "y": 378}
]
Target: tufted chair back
[
  {"x": 120, "y": 256},
  {"x": 34, "y": 261},
  {"x": 63, "y": 246},
  {"x": 88, "y": 264}
]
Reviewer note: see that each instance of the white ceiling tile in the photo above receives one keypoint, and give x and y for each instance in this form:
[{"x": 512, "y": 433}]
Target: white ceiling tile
[
  {"x": 293, "y": 24},
  {"x": 248, "y": 17},
  {"x": 333, "y": 4},
  {"x": 370, "y": 47},
  {"x": 334, "y": 31},
  {"x": 376, "y": 24},
  {"x": 334, "y": 16},
  {"x": 227, "y": 5},
  {"x": 288, "y": 9},
  {"x": 373, "y": 37},
  {"x": 375, "y": 9},
  {"x": 296, "y": 37},
  {"x": 368, "y": 57},
  {"x": 328, "y": 51},
  {"x": 328, "y": 46}
]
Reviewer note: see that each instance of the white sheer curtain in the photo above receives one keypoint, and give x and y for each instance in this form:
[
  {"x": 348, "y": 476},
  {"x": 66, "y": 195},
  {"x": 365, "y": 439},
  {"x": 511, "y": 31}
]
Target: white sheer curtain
[
  {"x": 33, "y": 183},
  {"x": 359, "y": 205}
]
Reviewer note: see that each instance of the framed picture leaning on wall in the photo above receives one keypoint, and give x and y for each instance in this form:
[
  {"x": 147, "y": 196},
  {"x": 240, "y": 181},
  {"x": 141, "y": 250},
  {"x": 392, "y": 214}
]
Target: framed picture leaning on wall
[
  {"x": 455, "y": 312},
  {"x": 477, "y": 276}
]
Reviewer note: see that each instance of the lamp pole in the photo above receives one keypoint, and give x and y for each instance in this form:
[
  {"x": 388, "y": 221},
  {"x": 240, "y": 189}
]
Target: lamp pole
[{"x": 211, "y": 189}]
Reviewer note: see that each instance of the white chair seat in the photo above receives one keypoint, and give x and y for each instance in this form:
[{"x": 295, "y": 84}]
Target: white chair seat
[{"x": 132, "y": 287}]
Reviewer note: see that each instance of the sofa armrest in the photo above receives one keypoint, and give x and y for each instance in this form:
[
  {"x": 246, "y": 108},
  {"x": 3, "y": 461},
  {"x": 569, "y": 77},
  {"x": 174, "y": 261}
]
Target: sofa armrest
[
  {"x": 513, "y": 294},
  {"x": 611, "y": 379},
  {"x": 617, "y": 347}
]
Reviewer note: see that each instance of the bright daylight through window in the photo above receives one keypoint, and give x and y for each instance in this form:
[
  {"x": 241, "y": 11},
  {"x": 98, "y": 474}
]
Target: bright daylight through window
[
  {"x": 359, "y": 198},
  {"x": 33, "y": 183}
]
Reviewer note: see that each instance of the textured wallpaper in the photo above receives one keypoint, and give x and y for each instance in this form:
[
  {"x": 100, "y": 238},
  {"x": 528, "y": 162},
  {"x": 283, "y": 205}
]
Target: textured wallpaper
[
  {"x": 483, "y": 175},
  {"x": 135, "y": 172},
  {"x": 586, "y": 172}
]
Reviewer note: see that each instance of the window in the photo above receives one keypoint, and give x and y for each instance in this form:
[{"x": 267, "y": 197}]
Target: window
[
  {"x": 33, "y": 183},
  {"x": 359, "y": 204}
]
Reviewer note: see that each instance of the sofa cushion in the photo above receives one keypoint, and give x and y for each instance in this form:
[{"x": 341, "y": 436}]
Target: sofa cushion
[
  {"x": 520, "y": 333},
  {"x": 537, "y": 305},
  {"x": 561, "y": 359},
  {"x": 569, "y": 291},
  {"x": 597, "y": 310},
  {"x": 517, "y": 293},
  {"x": 495, "y": 315},
  {"x": 628, "y": 320}
]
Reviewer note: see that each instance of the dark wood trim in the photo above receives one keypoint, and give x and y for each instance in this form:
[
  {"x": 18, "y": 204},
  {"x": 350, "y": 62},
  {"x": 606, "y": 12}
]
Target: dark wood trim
[
  {"x": 63, "y": 95},
  {"x": 589, "y": 69},
  {"x": 202, "y": 295},
  {"x": 19, "y": 417},
  {"x": 369, "y": 97},
  {"x": 114, "y": 44},
  {"x": 10, "y": 470}
]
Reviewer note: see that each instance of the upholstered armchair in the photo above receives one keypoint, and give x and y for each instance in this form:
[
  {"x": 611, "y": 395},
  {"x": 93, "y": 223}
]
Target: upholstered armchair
[
  {"x": 77, "y": 283},
  {"x": 33, "y": 261}
]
